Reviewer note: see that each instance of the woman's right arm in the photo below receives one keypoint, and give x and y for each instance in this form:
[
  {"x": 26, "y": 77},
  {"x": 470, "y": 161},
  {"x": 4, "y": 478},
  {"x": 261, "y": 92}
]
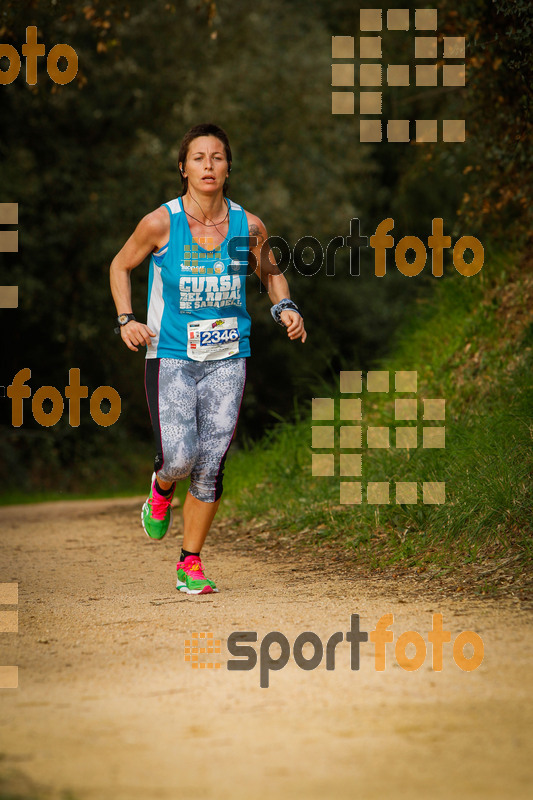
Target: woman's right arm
[{"x": 151, "y": 233}]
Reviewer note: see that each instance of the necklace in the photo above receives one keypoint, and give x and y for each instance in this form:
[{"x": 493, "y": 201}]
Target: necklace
[{"x": 214, "y": 225}]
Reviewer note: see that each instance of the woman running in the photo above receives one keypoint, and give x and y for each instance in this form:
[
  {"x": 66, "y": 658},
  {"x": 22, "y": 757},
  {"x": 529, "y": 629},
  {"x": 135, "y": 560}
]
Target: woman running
[{"x": 197, "y": 335}]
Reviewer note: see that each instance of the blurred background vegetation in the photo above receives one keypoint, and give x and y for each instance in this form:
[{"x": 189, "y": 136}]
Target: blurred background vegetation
[{"x": 87, "y": 160}]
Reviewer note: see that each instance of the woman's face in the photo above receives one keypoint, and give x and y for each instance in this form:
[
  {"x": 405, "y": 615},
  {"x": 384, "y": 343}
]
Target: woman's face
[{"x": 206, "y": 166}]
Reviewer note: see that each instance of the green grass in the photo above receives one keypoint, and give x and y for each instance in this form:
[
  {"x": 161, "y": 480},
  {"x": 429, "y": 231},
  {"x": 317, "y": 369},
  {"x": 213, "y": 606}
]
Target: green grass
[
  {"x": 463, "y": 351},
  {"x": 122, "y": 472},
  {"x": 470, "y": 344}
]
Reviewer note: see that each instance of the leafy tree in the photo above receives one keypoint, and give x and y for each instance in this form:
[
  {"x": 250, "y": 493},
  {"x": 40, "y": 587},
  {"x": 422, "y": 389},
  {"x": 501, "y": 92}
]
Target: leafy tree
[
  {"x": 86, "y": 160},
  {"x": 500, "y": 79}
]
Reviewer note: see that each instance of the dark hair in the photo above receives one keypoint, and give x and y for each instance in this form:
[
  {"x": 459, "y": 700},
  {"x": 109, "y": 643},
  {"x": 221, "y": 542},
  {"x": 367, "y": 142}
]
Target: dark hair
[{"x": 204, "y": 129}]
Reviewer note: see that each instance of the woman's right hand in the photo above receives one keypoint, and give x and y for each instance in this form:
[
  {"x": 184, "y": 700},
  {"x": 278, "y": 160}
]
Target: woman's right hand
[{"x": 136, "y": 333}]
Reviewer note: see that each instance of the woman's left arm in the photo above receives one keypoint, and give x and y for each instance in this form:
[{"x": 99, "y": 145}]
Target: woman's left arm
[{"x": 268, "y": 272}]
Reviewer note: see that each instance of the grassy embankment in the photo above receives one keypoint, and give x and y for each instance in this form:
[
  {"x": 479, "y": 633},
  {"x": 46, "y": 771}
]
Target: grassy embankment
[{"x": 471, "y": 343}]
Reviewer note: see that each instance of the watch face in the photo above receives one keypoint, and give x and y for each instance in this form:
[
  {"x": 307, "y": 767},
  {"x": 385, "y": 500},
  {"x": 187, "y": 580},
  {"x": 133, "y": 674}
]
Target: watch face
[{"x": 123, "y": 318}]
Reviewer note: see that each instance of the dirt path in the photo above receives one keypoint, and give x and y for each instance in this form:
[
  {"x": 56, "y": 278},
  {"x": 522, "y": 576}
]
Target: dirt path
[{"x": 107, "y": 707}]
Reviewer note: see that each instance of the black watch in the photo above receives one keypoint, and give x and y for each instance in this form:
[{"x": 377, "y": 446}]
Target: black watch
[{"x": 123, "y": 319}]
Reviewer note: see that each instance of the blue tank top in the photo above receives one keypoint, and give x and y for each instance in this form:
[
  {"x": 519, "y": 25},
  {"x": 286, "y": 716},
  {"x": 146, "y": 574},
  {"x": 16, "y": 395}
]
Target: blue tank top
[{"x": 196, "y": 296}]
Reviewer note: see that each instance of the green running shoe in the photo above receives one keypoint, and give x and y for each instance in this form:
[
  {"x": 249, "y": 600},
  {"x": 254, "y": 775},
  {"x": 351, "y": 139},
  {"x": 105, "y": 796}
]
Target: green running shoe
[
  {"x": 156, "y": 514},
  {"x": 191, "y": 578}
]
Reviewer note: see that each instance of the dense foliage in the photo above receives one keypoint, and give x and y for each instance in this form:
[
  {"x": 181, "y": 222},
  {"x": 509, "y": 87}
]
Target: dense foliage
[{"x": 86, "y": 160}]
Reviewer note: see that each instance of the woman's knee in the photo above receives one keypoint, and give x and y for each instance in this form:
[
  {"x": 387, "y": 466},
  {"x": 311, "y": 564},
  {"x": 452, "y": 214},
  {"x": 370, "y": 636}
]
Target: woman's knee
[
  {"x": 206, "y": 482},
  {"x": 178, "y": 462},
  {"x": 205, "y": 488}
]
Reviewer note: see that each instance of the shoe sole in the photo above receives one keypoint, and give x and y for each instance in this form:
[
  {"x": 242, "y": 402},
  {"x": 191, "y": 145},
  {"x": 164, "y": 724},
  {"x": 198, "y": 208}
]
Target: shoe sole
[
  {"x": 155, "y": 538},
  {"x": 203, "y": 590}
]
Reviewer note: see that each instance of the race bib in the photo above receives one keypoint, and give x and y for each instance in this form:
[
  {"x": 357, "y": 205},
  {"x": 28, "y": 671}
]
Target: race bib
[{"x": 212, "y": 339}]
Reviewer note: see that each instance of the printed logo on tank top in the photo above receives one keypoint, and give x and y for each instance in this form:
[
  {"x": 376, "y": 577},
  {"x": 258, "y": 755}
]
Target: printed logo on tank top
[{"x": 208, "y": 284}]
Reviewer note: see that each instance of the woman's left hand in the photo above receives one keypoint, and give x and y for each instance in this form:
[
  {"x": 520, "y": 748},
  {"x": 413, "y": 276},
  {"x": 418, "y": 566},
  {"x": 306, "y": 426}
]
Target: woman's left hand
[{"x": 294, "y": 324}]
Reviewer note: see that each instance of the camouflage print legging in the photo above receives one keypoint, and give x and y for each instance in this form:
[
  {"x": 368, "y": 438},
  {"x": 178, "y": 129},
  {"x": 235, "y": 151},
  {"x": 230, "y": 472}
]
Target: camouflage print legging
[{"x": 194, "y": 407}]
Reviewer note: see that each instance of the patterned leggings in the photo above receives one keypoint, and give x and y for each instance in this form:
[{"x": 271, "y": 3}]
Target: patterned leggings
[{"x": 194, "y": 407}]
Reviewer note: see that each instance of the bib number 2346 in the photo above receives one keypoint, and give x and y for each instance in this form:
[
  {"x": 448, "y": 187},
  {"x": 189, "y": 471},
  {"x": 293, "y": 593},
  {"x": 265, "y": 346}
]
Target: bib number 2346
[{"x": 211, "y": 339}]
